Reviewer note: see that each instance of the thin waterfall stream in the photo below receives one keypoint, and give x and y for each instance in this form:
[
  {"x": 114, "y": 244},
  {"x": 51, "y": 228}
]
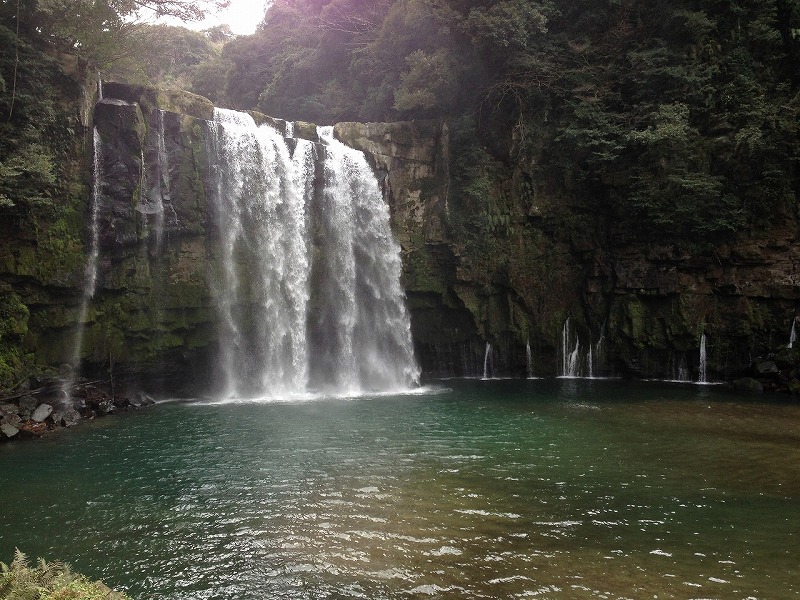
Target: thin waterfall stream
[
  {"x": 703, "y": 360},
  {"x": 90, "y": 269},
  {"x": 528, "y": 360}
]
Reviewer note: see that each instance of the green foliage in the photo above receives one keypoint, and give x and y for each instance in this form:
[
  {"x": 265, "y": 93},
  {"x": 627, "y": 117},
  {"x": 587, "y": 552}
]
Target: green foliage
[
  {"x": 676, "y": 120},
  {"x": 33, "y": 131},
  {"x": 429, "y": 82},
  {"x": 168, "y": 56},
  {"x": 508, "y": 26},
  {"x": 13, "y": 328},
  {"x": 49, "y": 581}
]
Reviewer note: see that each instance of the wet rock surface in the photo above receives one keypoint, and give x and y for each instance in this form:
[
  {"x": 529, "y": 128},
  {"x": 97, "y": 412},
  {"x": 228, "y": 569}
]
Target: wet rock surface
[
  {"x": 47, "y": 409},
  {"x": 778, "y": 371}
]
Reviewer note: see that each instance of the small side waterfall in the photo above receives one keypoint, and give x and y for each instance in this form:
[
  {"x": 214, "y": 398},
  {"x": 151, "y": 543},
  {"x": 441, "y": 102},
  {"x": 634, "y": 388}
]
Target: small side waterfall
[
  {"x": 703, "y": 378},
  {"x": 160, "y": 195},
  {"x": 528, "y": 360},
  {"x": 308, "y": 293},
  {"x": 90, "y": 270},
  {"x": 677, "y": 368},
  {"x": 599, "y": 352},
  {"x": 94, "y": 239},
  {"x": 590, "y": 362},
  {"x": 488, "y": 362},
  {"x": 569, "y": 358},
  {"x": 793, "y": 334}
]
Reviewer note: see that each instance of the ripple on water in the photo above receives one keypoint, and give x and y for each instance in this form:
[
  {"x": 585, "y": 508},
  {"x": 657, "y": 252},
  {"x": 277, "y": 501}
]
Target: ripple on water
[{"x": 502, "y": 491}]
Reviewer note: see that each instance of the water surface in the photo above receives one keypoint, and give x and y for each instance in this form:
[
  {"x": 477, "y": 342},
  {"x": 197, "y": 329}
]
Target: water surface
[{"x": 483, "y": 489}]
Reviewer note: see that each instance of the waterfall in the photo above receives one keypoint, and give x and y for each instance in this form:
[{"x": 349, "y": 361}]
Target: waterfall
[
  {"x": 703, "y": 372},
  {"x": 94, "y": 240},
  {"x": 308, "y": 292},
  {"x": 488, "y": 362},
  {"x": 90, "y": 269},
  {"x": 793, "y": 334},
  {"x": 528, "y": 359},
  {"x": 599, "y": 349},
  {"x": 590, "y": 362},
  {"x": 569, "y": 359},
  {"x": 679, "y": 371},
  {"x": 160, "y": 194},
  {"x": 364, "y": 296}
]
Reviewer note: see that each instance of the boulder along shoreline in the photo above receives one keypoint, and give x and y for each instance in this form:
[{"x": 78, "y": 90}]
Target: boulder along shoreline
[{"x": 50, "y": 405}]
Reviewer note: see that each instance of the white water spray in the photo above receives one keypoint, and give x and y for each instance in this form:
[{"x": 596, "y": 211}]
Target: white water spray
[
  {"x": 488, "y": 362},
  {"x": 793, "y": 334},
  {"x": 262, "y": 291},
  {"x": 569, "y": 358},
  {"x": 309, "y": 292},
  {"x": 528, "y": 359},
  {"x": 160, "y": 195},
  {"x": 362, "y": 293},
  {"x": 703, "y": 368}
]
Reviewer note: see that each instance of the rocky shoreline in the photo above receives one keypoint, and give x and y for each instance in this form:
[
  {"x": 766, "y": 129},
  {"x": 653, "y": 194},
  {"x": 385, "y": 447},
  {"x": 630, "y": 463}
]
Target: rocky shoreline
[
  {"x": 54, "y": 404},
  {"x": 778, "y": 372}
]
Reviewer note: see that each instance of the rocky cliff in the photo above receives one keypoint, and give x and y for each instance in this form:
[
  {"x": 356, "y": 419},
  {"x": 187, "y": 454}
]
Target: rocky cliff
[
  {"x": 492, "y": 254},
  {"x": 501, "y": 256}
]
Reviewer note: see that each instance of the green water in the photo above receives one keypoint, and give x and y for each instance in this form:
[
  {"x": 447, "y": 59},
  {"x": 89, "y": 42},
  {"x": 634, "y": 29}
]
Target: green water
[{"x": 500, "y": 489}]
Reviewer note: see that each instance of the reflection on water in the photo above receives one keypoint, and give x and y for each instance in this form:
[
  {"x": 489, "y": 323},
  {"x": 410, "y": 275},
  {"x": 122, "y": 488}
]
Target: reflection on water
[{"x": 501, "y": 489}]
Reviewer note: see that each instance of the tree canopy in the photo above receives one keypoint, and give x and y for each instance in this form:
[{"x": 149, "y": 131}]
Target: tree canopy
[{"x": 680, "y": 117}]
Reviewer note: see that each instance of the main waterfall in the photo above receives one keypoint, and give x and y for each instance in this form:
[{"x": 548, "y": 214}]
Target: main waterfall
[{"x": 308, "y": 283}]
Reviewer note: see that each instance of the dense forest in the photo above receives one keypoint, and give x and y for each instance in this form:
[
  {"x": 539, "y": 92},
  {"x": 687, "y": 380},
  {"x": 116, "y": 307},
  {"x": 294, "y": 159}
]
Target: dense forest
[
  {"x": 604, "y": 125},
  {"x": 679, "y": 117}
]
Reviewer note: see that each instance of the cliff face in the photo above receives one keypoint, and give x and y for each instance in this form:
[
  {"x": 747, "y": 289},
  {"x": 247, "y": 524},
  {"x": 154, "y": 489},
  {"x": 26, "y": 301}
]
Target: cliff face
[
  {"x": 512, "y": 269},
  {"x": 505, "y": 261}
]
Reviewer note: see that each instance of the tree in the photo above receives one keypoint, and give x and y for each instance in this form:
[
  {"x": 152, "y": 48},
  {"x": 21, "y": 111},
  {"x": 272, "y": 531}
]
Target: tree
[{"x": 431, "y": 82}]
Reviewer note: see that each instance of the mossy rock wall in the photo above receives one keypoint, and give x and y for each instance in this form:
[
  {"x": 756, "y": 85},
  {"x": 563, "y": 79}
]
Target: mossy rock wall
[
  {"x": 495, "y": 252},
  {"x": 151, "y": 313}
]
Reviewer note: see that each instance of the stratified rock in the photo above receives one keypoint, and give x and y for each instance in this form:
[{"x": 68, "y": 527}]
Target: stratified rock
[
  {"x": 41, "y": 413},
  {"x": 306, "y": 131}
]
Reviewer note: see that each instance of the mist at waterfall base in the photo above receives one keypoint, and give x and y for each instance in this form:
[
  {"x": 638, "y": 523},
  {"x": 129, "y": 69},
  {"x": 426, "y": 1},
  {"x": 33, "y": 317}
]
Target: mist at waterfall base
[{"x": 552, "y": 488}]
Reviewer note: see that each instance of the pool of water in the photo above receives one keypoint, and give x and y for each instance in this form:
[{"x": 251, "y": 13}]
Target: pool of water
[{"x": 477, "y": 489}]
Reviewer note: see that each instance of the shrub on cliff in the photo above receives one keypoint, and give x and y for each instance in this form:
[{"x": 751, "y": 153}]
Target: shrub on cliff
[{"x": 49, "y": 581}]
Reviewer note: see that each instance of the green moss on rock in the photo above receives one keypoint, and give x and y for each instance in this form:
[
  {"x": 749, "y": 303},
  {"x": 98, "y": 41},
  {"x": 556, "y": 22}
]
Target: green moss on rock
[
  {"x": 13, "y": 329},
  {"x": 186, "y": 103}
]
